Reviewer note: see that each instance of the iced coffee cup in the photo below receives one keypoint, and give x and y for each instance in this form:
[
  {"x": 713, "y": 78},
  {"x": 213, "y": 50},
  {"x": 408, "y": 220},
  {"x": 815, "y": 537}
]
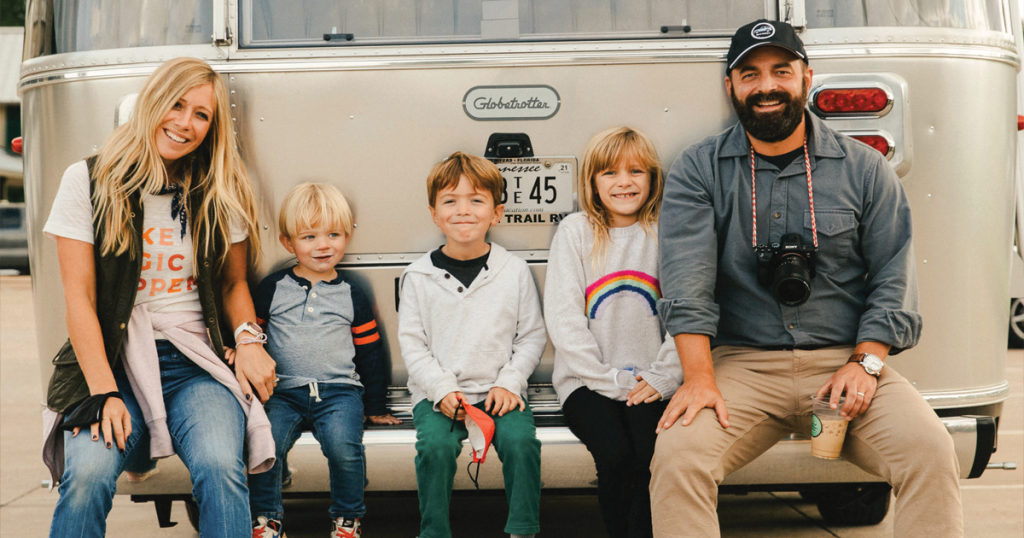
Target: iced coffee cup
[{"x": 828, "y": 429}]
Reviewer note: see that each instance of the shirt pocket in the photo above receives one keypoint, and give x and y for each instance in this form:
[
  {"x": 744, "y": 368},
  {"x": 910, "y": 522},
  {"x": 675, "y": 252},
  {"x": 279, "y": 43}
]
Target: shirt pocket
[{"x": 837, "y": 239}]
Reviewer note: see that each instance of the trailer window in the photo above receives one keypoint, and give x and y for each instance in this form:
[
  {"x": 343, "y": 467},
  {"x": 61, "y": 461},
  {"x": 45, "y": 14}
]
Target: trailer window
[
  {"x": 275, "y": 23},
  {"x": 967, "y": 14},
  {"x": 58, "y": 26}
]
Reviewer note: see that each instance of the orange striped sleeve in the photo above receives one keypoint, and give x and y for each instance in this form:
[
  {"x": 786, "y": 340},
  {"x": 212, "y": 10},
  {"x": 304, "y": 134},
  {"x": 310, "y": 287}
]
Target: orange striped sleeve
[
  {"x": 366, "y": 339},
  {"x": 372, "y": 324}
]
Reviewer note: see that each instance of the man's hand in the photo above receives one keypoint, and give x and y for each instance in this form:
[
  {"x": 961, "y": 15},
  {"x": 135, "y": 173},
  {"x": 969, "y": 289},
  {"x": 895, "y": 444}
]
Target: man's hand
[
  {"x": 858, "y": 385},
  {"x": 450, "y": 402},
  {"x": 642, "y": 393},
  {"x": 382, "y": 420},
  {"x": 254, "y": 370},
  {"x": 503, "y": 401},
  {"x": 695, "y": 394}
]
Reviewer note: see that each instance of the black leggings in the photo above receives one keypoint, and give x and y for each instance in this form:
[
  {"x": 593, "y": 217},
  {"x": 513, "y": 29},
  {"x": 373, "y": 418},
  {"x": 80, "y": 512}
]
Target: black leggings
[{"x": 621, "y": 439}]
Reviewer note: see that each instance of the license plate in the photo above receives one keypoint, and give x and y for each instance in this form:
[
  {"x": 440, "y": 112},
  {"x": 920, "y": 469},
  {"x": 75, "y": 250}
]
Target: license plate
[{"x": 536, "y": 188}]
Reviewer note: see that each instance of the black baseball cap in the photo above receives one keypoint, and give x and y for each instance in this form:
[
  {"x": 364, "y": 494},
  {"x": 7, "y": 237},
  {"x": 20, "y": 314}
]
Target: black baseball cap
[{"x": 761, "y": 33}]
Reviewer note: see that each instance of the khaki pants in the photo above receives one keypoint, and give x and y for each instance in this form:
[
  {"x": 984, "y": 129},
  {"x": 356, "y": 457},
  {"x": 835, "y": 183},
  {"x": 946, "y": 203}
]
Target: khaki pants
[{"x": 768, "y": 395}]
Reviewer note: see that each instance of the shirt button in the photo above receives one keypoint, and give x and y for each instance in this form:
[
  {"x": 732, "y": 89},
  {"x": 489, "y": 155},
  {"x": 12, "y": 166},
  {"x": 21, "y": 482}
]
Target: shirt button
[
  {"x": 777, "y": 214},
  {"x": 122, "y": 326},
  {"x": 309, "y": 309},
  {"x": 790, "y": 325},
  {"x": 460, "y": 289},
  {"x": 313, "y": 295},
  {"x": 446, "y": 275}
]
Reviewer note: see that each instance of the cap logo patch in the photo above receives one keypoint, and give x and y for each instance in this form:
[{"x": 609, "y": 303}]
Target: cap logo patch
[{"x": 762, "y": 31}]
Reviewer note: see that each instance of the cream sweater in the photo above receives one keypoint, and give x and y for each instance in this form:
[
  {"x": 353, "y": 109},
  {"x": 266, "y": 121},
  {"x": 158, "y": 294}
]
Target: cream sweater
[
  {"x": 470, "y": 339},
  {"x": 601, "y": 314}
]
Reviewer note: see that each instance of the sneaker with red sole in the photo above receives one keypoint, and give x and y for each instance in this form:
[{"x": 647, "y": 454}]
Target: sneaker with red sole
[
  {"x": 263, "y": 527},
  {"x": 346, "y": 527}
]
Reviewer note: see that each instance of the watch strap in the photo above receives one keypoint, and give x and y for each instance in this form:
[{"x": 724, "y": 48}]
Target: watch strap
[{"x": 245, "y": 326}]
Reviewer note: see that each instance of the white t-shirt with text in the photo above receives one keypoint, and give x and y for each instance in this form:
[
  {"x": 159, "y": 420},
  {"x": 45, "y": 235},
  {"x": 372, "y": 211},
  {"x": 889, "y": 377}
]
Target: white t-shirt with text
[{"x": 167, "y": 282}]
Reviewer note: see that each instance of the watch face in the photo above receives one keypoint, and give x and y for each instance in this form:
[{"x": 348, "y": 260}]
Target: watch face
[
  {"x": 872, "y": 364},
  {"x": 253, "y": 328}
]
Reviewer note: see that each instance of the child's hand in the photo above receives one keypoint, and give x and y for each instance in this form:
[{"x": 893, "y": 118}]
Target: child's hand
[
  {"x": 503, "y": 401},
  {"x": 642, "y": 393},
  {"x": 229, "y": 355},
  {"x": 451, "y": 402},
  {"x": 382, "y": 420}
]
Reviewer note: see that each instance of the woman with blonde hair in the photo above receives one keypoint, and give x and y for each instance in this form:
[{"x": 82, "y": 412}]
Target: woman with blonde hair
[{"x": 155, "y": 236}]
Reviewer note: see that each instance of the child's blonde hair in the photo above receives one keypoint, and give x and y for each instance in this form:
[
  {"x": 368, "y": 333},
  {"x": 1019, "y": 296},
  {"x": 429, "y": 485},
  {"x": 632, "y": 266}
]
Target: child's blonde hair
[
  {"x": 606, "y": 150},
  {"x": 314, "y": 204},
  {"x": 482, "y": 174}
]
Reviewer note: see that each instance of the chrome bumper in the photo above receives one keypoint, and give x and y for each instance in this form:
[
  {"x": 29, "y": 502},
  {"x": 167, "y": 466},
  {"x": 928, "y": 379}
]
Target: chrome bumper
[{"x": 565, "y": 463}]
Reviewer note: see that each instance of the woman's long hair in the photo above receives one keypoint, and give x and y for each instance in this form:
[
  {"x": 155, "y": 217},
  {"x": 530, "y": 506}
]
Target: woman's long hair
[
  {"x": 606, "y": 150},
  {"x": 129, "y": 162}
]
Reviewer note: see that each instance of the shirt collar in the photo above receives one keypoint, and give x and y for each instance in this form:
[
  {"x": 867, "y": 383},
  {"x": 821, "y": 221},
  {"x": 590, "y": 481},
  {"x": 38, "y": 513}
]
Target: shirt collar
[
  {"x": 303, "y": 282},
  {"x": 822, "y": 142}
]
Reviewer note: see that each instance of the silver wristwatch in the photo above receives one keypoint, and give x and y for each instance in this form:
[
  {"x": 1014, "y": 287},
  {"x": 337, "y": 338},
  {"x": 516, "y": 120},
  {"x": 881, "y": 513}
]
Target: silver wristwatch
[{"x": 871, "y": 363}]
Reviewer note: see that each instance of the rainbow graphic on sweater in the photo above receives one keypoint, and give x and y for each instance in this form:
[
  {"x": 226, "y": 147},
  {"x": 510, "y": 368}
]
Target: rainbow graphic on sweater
[{"x": 628, "y": 283}]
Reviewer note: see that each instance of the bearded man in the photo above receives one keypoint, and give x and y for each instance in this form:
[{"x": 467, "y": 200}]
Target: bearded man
[{"x": 759, "y": 333}]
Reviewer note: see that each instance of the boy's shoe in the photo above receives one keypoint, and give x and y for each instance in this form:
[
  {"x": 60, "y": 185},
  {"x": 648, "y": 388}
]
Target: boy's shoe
[
  {"x": 346, "y": 527},
  {"x": 266, "y": 528}
]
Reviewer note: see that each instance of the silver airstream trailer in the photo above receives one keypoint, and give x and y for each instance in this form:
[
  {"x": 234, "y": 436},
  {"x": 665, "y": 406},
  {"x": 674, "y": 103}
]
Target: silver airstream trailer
[{"x": 368, "y": 94}]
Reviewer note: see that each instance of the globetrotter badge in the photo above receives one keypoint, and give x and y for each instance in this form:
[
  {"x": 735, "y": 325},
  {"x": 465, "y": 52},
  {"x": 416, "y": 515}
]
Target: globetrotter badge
[
  {"x": 815, "y": 426},
  {"x": 762, "y": 31}
]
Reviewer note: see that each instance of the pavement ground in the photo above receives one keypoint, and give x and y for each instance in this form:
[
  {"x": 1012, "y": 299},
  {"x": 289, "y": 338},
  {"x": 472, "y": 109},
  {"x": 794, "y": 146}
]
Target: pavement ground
[{"x": 993, "y": 504}]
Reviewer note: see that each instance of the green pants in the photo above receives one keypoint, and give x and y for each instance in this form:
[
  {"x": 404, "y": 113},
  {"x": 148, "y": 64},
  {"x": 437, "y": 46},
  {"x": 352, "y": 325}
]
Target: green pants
[{"x": 437, "y": 447}]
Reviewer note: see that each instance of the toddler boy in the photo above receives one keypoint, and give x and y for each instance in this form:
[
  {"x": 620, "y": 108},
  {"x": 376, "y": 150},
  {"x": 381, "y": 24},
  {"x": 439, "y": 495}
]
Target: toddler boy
[{"x": 322, "y": 333}]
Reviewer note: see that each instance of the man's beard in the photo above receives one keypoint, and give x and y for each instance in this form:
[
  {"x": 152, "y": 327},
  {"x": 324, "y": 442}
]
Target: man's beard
[{"x": 771, "y": 126}]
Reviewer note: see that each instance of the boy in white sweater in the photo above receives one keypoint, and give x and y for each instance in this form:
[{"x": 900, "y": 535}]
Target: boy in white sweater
[{"x": 471, "y": 331}]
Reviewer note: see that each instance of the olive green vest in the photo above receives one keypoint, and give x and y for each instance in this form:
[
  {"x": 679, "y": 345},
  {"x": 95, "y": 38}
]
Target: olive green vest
[{"x": 117, "y": 281}]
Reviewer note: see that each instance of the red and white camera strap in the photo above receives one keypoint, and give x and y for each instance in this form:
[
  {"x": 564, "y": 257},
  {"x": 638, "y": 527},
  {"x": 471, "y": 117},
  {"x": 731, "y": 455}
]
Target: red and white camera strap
[{"x": 810, "y": 194}]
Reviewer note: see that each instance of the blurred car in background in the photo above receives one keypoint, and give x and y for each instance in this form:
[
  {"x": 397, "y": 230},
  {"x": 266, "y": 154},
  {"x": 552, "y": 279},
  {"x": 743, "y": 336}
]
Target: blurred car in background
[{"x": 13, "y": 238}]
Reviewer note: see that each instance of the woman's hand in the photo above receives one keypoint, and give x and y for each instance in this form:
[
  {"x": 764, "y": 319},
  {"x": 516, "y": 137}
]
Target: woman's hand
[
  {"x": 116, "y": 424},
  {"x": 382, "y": 420},
  {"x": 450, "y": 403},
  {"x": 254, "y": 369},
  {"x": 642, "y": 393},
  {"x": 503, "y": 401}
]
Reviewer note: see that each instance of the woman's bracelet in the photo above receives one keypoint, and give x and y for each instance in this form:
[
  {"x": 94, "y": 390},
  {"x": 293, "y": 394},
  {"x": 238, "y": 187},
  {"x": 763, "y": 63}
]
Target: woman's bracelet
[{"x": 258, "y": 339}]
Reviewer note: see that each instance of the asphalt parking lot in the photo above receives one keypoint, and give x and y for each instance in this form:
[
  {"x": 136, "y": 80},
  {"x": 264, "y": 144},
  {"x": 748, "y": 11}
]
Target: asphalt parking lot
[{"x": 993, "y": 504}]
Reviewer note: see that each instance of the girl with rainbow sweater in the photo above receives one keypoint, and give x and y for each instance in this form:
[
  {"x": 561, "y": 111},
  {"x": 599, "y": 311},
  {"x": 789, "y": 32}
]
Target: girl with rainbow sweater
[{"x": 614, "y": 372}]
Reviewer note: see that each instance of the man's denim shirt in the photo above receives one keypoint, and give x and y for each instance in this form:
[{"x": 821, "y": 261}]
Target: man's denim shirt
[{"x": 866, "y": 283}]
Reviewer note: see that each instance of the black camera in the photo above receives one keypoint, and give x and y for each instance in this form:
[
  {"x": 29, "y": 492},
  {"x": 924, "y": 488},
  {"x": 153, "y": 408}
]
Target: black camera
[{"x": 787, "y": 268}]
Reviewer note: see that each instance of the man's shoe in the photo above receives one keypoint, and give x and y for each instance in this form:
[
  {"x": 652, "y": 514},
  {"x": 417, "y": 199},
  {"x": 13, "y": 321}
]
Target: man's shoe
[
  {"x": 266, "y": 528},
  {"x": 346, "y": 527}
]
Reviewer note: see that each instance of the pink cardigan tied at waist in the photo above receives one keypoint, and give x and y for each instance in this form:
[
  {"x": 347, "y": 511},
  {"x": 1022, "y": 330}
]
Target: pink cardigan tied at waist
[{"x": 187, "y": 332}]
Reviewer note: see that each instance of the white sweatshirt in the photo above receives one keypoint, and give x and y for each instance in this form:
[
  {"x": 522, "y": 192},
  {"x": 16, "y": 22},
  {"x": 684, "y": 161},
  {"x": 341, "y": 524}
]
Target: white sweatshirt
[
  {"x": 470, "y": 339},
  {"x": 602, "y": 317}
]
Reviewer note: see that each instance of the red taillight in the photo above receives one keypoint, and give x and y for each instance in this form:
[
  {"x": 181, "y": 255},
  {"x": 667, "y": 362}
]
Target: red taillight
[
  {"x": 1020, "y": 123},
  {"x": 851, "y": 100},
  {"x": 16, "y": 145},
  {"x": 876, "y": 141}
]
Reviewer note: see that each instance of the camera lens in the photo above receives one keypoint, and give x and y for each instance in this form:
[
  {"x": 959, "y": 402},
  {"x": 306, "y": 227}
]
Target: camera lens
[{"x": 792, "y": 280}]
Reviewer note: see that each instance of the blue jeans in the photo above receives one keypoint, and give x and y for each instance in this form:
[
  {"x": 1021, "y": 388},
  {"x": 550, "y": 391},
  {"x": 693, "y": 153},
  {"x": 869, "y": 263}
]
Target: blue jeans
[
  {"x": 207, "y": 429},
  {"x": 337, "y": 423}
]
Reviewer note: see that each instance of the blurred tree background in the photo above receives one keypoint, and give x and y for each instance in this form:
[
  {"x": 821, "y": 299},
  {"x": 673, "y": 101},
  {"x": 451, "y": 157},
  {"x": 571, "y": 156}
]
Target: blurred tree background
[{"x": 12, "y": 12}]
